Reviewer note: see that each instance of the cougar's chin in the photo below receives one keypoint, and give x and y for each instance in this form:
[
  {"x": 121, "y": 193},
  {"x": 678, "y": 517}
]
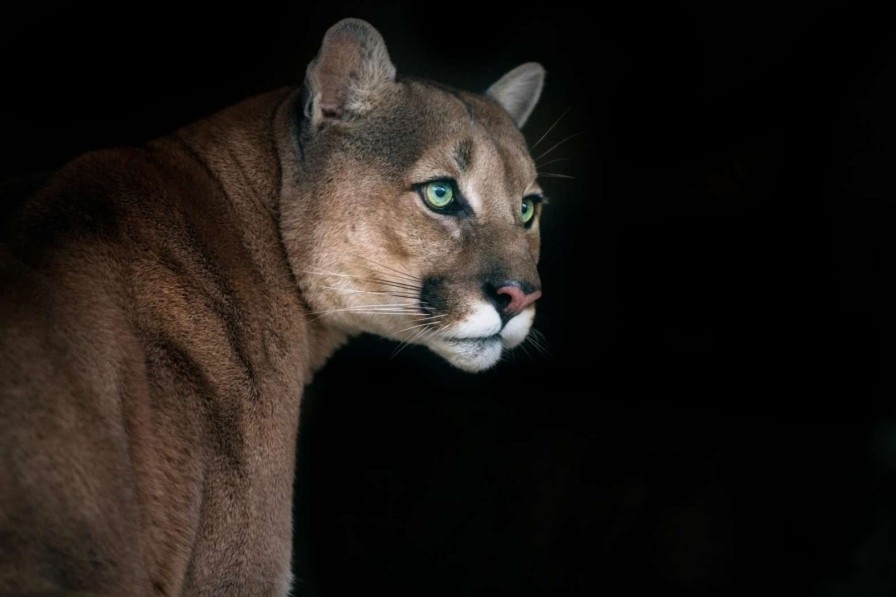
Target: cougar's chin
[
  {"x": 469, "y": 354},
  {"x": 477, "y": 342}
]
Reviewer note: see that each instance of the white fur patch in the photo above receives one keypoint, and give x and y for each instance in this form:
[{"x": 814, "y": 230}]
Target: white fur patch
[
  {"x": 474, "y": 200},
  {"x": 517, "y": 328},
  {"x": 482, "y": 322},
  {"x": 469, "y": 355},
  {"x": 474, "y": 343}
]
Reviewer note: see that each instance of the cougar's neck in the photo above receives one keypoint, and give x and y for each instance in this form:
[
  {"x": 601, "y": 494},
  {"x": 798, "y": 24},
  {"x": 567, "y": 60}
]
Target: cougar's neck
[
  {"x": 251, "y": 149},
  {"x": 241, "y": 148}
]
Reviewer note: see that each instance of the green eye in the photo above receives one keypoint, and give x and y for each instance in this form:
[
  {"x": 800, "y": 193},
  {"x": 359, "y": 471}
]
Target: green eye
[
  {"x": 438, "y": 194},
  {"x": 527, "y": 210}
]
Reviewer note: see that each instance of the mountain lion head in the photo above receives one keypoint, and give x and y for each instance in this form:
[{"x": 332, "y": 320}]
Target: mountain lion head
[{"x": 416, "y": 215}]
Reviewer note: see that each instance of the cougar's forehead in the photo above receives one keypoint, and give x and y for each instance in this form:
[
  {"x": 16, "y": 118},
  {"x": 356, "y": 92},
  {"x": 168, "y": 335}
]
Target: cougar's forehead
[
  {"x": 472, "y": 140},
  {"x": 426, "y": 131}
]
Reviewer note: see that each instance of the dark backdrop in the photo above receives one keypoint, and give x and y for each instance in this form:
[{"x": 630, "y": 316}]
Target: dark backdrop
[{"x": 711, "y": 410}]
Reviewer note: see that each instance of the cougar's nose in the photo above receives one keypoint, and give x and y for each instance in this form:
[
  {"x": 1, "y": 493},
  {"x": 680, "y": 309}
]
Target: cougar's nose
[{"x": 511, "y": 297}]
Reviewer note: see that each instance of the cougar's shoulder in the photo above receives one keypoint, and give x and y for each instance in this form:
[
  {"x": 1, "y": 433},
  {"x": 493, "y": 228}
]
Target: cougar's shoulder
[{"x": 151, "y": 349}]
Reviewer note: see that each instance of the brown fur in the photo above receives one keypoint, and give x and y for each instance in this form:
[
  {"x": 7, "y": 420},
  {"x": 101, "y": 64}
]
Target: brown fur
[{"x": 157, "y": 328}]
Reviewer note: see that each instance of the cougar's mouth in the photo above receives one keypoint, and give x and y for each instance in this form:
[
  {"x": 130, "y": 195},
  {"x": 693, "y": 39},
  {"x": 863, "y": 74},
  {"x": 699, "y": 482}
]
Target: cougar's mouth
[
  {"x": 474, "y": 340},
  {"x": 469, "y": 354}
]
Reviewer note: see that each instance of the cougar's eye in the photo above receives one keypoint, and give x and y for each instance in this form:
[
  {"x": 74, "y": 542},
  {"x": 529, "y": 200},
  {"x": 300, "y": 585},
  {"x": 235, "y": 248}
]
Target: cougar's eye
[
  {"x": 439, "y": 195},
  {"x": 527, "y": 210}
]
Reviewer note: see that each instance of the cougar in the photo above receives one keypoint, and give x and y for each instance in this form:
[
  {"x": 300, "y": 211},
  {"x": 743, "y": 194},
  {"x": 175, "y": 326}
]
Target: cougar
[{"x": 162, "y": 308}]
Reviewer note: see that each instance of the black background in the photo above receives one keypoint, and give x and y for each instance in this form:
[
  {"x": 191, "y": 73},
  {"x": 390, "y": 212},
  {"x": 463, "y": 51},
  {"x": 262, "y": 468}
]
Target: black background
[{"x": 713, "y": 414}]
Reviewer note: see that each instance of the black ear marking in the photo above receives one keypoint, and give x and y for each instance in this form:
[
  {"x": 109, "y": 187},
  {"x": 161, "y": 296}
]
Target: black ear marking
[{"x": 463, "y": 154}]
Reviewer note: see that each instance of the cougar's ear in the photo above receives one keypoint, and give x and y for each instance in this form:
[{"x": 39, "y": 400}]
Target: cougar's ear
[
  {"x": 351, "y": 67},
  {"x": 518, "y": 91}
]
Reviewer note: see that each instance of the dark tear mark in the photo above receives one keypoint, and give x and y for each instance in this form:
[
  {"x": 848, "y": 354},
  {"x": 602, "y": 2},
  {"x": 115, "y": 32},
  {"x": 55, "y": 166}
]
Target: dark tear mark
[{"x": 463, "y": 154}]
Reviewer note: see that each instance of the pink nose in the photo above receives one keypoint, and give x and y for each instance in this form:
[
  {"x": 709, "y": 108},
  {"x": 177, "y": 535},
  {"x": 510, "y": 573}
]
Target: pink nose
[{"x": 518, "y": 299}]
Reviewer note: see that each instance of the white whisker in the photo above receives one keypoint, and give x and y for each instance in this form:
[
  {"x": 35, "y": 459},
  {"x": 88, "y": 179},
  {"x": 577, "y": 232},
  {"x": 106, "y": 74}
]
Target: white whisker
[
  {"x": 323, "y": 273},
  {"x": 402, "y": 273},
  {"x": 533, "y": 339},
  {"x": 420, "y": 334},
  {"x": 321, "y": 314},
  {"x": 385, "y": 305},
  {"x": 547, "y": 132},
  {"x": 386, "y": 292},
  {"x": 384, "y": 281},
  {"x": 558, "y": 145},
  {"x": 549, "y": 162},
  {"x": 360, "y": 312},
  {"x": 369, "y": 309},
  {"x": 394, "y": 284},
  {"x": 419, "y": 325},
  {"x": 339, "y": 274},
  {"x": 525, "y": 350},
  {"x": 554, "y": 175}
]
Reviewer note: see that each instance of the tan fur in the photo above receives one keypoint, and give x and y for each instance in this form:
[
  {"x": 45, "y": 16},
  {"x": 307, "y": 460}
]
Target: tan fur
[{"x": 159, "y": 319}]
